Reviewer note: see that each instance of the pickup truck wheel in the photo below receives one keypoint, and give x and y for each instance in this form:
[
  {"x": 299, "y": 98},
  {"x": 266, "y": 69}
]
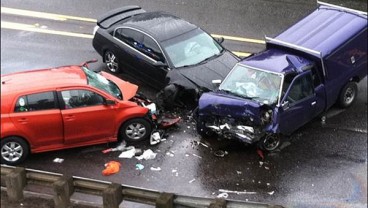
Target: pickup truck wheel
[
  {"x": 13, "y": 150},
  {"x": 135, "y": 130},
  {"x": 270, "y": 142},
  {"x": 112, "y": 62},
  {"x": 348, "y": 95}
]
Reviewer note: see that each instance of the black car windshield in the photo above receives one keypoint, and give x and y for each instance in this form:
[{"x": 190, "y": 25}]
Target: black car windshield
[
  {"x": 102, "y": 83},
  {"x": 191, "y": 48},
  {"x": 252, "y": 83}
]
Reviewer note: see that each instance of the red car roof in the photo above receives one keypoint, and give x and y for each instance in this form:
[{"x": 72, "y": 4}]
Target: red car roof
[{"x": 42, "y": 79}]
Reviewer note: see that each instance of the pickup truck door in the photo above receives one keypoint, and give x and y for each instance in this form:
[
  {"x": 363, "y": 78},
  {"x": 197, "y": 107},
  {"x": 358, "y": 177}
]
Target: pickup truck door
[{"x": 301, "y": 103}]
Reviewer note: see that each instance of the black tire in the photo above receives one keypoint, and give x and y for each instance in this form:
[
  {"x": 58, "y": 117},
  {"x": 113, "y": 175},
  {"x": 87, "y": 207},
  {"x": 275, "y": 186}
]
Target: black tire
[
  {"x": 14, "y": 150},
  {"x": 135, "y": 130},
  {"x": 112, "y": 62},
  {"x": 270, "y": 142},
  {"x": 348, "y": 95}
]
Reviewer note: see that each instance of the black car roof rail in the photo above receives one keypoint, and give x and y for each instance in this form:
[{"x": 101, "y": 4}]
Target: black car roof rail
[{"x": 118, "y": 14}]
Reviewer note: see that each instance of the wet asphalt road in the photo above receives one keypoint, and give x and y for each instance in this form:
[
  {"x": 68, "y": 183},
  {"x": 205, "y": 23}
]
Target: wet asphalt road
[{"x": 318, "y": 166}]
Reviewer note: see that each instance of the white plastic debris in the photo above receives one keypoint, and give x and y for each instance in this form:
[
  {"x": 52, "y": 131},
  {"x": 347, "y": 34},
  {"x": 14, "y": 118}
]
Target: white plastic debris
[
  {"x": 155, "y": 138},
  {"x": 238, "y": 172},
  {"x": 271, "y": 193},
  {"x": 237, "y": 192},
  {"x": 129, "y": 153},
  {"x": 223, "y": 195},
  {"x": 155, "y": 169},
  {"x": 197, "y": 156},
  {"x": 58, "y": 160},
  {"x": 191, "y": 181},
  {"x": 139, "y": 166},
  {"x": 171, "y": 154},
  {"x": 147, "y": 155}
]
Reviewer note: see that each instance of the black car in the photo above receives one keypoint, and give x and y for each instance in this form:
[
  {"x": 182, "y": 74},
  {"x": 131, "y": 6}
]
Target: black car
[{"x": 164, "y": 51}]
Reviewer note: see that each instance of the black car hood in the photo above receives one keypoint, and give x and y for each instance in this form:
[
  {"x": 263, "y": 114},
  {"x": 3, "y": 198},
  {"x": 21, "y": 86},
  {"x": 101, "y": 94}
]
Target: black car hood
[{"x": 201, "y": 75}]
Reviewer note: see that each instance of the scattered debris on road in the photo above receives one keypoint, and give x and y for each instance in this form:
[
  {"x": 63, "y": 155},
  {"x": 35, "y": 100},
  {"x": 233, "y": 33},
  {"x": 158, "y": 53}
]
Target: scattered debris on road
[
  {"x": 58, "y": 160},
  {"x": 111, "y": 167},
  {"x": 147, "y": 155},
  {"x": 139, "y": 166}
]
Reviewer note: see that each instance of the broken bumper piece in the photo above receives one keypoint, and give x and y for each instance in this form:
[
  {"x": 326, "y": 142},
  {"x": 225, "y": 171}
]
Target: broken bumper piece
[{"x": 244, "y": 133}]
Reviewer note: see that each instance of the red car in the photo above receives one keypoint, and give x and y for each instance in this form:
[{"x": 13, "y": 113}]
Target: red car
[{"x": 66, "y": 107}]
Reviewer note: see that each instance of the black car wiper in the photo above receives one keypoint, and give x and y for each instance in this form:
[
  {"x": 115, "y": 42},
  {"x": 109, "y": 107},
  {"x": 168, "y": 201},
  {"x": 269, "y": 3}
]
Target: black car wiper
[{"x": 211, "y": 57}]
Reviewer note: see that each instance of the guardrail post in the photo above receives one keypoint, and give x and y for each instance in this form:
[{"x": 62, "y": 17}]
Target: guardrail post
[
  {"x": 165, "y": 200},
  {"x": 218, "y": 203},
  {"x": 15, "y": 182},
  {"x": 63, "y": 189},
  {"x": 112, "y": 196}
]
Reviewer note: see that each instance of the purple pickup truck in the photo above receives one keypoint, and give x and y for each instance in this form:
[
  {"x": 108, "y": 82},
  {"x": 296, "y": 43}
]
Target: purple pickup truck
[{"x": 302, "y": 72}]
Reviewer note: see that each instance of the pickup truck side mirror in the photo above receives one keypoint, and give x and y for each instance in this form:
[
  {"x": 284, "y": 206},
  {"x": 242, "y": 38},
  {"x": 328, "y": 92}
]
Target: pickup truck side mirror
[
  {"x": 109, "y": 102},
  {"x": 285, "y": 105},
  {"x": 216, "y": 82}
]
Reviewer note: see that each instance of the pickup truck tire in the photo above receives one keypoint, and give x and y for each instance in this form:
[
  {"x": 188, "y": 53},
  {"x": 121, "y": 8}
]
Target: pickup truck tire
[
  {"x": 348, "y": 95},
  {"x": 13, "y": 150},
  {"x": 270, "y": 142},
  {"x": 112, "y": 62}
]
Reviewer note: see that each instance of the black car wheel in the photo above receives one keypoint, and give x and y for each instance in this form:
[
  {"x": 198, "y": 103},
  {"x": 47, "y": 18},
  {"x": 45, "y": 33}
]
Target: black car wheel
[
  {"x": 135, "y": 130},
  {"x": 270, "y": 142},
  {"x": 13, "y": 150},
  {"x": 112, "y": 62},
  {"x": 348, "y": 95}
]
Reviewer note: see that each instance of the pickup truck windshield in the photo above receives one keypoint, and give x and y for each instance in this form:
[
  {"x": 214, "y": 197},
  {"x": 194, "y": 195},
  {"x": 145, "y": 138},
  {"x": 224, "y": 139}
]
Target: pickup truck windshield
[
  {"x": 102, "y": 83},
  {"x": 191, "y": 48},
  {"x": 253, "y": 84}
]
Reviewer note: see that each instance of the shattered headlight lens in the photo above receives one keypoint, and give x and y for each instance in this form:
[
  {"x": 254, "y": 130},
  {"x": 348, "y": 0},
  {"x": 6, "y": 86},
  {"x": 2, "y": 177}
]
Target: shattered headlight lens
[{"x": 266, "y": 116}]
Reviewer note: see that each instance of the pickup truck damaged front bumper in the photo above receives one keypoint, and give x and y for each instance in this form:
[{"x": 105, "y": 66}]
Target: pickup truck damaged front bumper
[{"x": 244, "y": 133}]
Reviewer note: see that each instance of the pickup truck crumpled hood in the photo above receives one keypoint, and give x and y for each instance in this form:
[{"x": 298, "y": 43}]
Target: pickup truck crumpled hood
[
  {"x": 128, "y": 89},
  {"x": 224, "y": 105}
]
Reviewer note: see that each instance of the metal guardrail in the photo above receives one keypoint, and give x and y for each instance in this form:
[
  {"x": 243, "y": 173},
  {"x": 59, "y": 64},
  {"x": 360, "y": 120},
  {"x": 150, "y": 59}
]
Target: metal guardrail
[{"x": 15, "y": 180}]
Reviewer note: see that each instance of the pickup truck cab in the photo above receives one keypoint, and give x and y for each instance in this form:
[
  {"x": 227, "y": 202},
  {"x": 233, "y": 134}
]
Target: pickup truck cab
[{"x": 302, "y": 72}]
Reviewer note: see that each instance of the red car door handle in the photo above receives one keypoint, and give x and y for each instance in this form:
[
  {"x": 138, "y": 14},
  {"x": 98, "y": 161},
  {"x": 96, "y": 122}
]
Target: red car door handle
[
  {"x": 69, "y": 117},
  {"x": 23, "y": 120}
]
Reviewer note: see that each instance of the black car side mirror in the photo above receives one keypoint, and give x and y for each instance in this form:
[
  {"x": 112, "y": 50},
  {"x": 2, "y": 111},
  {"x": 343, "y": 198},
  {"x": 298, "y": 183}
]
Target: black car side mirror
[
  {"x": 159, "y": 64},
  {"x": 220, "y": 40}
]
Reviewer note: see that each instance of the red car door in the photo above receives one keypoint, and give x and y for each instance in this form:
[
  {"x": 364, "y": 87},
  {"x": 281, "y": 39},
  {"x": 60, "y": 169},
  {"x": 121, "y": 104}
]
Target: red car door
[
  {"x": 38, "y": 117},
  {"x": 86, "y": 119}
]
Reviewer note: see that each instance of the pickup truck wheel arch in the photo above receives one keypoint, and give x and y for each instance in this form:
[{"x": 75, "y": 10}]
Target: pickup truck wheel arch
[
  {"x": 348, "y": 95},
  {"x": 13, "y": 150}
]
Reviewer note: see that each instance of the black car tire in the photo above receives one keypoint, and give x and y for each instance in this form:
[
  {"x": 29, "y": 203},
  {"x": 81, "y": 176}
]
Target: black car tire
[
  {"x": 135, "y": 130},
  {"x": 112, "y": 62},
  {"x": 348, "y": 95},
  {"x": 13, "y": 150},
  {"x": 270, "y": 142}
]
